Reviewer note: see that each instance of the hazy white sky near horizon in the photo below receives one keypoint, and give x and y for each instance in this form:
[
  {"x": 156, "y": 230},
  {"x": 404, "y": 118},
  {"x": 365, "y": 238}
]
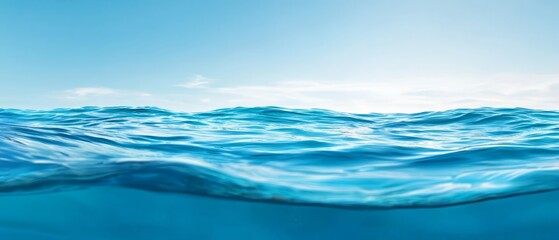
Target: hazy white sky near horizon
[{"x": 352, "y": 56}]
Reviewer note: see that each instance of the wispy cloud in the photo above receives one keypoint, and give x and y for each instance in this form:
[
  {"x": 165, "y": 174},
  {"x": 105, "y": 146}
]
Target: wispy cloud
[
  {"x": 403, "y": 95},
  {"x": 397, "y": 95},
  {"x": 198, "y": 81},
  {"x": 85, "y": 93}
]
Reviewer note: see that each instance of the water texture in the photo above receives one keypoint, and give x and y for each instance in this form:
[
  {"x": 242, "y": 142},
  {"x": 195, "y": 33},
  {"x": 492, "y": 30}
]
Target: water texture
[{"x": 292, "y": 156}]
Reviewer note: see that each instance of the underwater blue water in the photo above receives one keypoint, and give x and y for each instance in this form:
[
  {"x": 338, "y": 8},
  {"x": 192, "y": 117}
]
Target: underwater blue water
[{"x": 141, "y": 173}]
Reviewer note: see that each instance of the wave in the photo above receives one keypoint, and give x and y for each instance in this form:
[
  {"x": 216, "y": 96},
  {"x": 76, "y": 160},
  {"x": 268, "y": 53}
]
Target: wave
[{"x": 293, "y": 156}]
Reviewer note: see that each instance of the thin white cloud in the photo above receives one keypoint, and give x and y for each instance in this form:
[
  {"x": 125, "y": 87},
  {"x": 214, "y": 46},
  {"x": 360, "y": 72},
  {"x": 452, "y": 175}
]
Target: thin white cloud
[
  {"x": 396, "y": 95},
  {"x": 198, "y": 81},
  {"x": 403, "y": 95},
  {"x": 87, "y": 93}
]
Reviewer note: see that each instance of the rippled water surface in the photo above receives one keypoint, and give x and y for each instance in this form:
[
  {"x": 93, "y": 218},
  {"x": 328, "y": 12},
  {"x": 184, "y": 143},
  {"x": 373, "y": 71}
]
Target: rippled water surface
[{"x": 291, "y": 156}]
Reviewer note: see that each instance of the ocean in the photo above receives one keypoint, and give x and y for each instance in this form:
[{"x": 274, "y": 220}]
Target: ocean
[{"x": 278, "y": 173}]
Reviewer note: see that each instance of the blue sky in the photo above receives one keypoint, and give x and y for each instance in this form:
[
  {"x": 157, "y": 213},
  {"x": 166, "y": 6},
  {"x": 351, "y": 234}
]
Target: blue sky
[{"x": 354, "y": 56}]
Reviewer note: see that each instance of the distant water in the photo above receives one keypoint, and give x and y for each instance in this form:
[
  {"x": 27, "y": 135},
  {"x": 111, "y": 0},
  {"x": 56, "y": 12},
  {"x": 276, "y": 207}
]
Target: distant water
[{"x": 269, "y": 154}]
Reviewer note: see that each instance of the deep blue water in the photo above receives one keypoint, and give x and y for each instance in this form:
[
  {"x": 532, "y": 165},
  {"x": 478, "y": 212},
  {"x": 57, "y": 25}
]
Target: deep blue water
[{"x": 276, "y": 173}]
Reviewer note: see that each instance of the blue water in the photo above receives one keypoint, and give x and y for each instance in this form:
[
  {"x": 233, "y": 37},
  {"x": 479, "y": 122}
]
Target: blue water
[{"x": 276, "y": 173}]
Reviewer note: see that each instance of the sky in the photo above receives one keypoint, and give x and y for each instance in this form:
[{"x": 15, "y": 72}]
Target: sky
[{"x": 344, "y": 55}]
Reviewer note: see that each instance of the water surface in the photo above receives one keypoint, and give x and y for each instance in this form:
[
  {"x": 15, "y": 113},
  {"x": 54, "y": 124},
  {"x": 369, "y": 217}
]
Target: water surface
[{"x": 375, "y": 166}]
